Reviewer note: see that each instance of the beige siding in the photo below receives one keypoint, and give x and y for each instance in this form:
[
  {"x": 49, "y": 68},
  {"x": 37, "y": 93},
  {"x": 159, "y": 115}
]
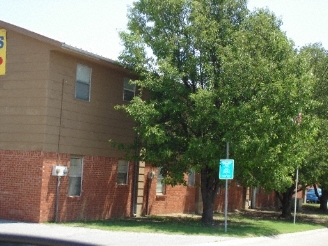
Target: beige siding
[
  {"x": 38, "y": 109},
  {"x": 86, "y": 127},
  {"x": 23, "y": 94}
]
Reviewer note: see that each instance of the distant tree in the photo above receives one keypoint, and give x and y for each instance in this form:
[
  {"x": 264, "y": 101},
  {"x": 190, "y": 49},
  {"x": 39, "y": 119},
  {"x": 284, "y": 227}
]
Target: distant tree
[{"x": 215, "y": 73}]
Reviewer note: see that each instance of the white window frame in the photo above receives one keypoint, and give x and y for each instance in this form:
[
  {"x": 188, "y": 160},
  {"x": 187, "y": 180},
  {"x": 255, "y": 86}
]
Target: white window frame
[
  {"x": 128, "y": 88},
  {"x": 83, "y": 81},
  {"x": 122, "y": 172},
  {"x": 160, "y": 186},
  {"x": 75, "y": 175}
]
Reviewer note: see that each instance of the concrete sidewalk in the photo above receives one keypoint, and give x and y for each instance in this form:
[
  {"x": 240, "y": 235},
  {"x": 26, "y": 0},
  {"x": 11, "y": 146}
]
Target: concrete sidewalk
[{"x": 101, "y": 237}]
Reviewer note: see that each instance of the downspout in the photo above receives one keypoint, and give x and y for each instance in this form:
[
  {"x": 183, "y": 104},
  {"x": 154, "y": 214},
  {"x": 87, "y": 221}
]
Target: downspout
[
  {"x": 150, "y": 177},
  {"x": 135, "y": 188}
]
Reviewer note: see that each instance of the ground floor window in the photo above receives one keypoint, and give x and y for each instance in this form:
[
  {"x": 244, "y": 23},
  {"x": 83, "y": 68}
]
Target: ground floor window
[
  {"x": 191, "y": 178},
  {"x": 75, "y": 176},
  {"x": 160, "y": 187},
  {"x": 122, "y": 172}
]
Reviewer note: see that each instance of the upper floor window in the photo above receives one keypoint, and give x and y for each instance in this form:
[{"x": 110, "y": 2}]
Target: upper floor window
[
  {"x": 75, "y": 176},
  {"x": 129, "y": 90},
  {"x": 122, "y": 172},
  {"x": 83, "y": 82}
]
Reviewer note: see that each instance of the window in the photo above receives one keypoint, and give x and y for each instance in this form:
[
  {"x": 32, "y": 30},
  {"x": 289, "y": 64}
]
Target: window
[
  {"x": 75, "y": 176},
  {"x": 129, "y": 90},
  {"x": 191, "y": 178},
  {"x": 122, "y": 172},
  {"x": 160, "y": 187},
  {"x": 83, "y": 82}
]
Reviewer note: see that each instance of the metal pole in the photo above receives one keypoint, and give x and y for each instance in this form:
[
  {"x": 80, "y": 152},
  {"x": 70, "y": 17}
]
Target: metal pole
[
  {"x": 57, "y": 198},
  {"x": 296, "y": 186},
  {"x": 298, "y": 121},
  {"x": 226, "y": 198}
]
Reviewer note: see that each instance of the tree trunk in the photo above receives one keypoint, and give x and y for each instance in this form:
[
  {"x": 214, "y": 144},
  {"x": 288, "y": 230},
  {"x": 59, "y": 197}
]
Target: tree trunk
[
  {"x": 286, "y": 202},
  {"x": 209, "y": 187},
  {"x": 323, "y": 200}
]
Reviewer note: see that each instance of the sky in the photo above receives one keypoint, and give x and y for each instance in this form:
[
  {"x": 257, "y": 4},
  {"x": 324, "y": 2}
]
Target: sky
[{"x": 93, "y": 25}]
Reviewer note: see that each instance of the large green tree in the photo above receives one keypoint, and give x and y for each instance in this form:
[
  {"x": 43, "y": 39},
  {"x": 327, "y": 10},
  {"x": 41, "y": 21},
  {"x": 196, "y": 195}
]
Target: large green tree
[
  {"x": 315, "y": 170},
  {"x": 211, "y": 72}
]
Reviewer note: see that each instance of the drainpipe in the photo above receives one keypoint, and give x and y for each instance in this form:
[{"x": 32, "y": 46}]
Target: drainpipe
[
  {"x": 150, "y": 177},
  {"x": 58, "y": 145},
  {"x": 135, "y": 188}
]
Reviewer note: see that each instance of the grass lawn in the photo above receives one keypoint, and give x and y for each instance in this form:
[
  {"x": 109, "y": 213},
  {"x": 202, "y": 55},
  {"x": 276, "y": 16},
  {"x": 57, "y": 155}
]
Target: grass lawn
[{"x": 249, "y": 223}]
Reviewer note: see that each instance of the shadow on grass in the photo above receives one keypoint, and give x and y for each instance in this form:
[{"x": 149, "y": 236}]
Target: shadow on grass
[
  {"x": 247, "y": 223},
  {"x": 183, "y": 225}
]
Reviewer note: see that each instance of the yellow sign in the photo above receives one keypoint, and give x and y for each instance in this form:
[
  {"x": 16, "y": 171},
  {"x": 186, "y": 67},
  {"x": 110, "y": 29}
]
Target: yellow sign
[{"x": 3, "y": 46}]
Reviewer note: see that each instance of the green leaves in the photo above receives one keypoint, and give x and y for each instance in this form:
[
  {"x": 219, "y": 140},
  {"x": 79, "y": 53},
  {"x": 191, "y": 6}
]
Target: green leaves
[
  {"x": 314, "y": 169},
  {"x": 216, "y": 72}
]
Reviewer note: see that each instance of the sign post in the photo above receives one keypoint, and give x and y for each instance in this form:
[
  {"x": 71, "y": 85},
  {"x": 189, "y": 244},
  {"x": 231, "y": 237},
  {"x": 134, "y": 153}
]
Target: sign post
[{"x": 226, "y": 170}]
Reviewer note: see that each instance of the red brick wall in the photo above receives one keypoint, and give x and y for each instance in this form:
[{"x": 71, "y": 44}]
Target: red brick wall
[
  {"x": 20, "y": 185},
  {"x": 49, "y": 185},
  {"x": 101, "y": 197},
  {"x": 177, "y": 199},
  {"x": 266, "y": 199},
  {"x": 28, "y": 190},
  {"x": 183, "y": 199},
  {"x": 236, "y": 197}
]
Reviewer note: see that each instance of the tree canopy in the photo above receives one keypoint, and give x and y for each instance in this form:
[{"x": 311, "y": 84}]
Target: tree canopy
[
  {"x": 315, "y": 169},
  {"x": 213, "y": 72}
]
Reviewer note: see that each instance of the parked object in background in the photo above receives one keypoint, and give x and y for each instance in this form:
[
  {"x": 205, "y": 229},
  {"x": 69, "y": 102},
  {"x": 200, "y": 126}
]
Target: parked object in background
[{"x": 311, "y": 197}]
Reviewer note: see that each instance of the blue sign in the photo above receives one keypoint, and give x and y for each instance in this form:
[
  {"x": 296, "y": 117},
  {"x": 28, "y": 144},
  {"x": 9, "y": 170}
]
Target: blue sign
[{"x": 226, "y": 168}]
